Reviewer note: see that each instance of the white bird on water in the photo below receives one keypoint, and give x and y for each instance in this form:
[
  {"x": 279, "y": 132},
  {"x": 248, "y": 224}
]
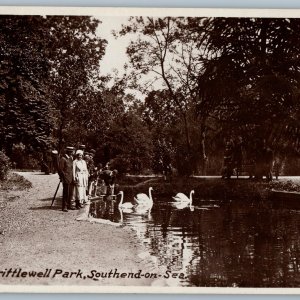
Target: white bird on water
[
  {"x": 182, "y": 201},
  {"x": 143, "y": 199},
  {"x": 126, "y": 205},
  {"x": 181, "y": 197}
]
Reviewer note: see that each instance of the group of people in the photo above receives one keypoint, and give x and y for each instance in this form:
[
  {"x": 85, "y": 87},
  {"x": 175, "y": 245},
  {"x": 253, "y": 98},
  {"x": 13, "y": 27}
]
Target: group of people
[
  {"x": 259, "y": 160},
  {"x": 80, "y": 177},
  {"x": 233, "y": 157}
]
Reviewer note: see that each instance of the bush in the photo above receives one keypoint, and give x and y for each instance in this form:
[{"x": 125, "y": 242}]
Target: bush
[
  {"x": 15, "y": 182},
  {"x": 18, "y": 155},
  {"x": 121, "y": 163},
  {"x": 4, "y": 166},
  {"x": 22, "y": 159}
]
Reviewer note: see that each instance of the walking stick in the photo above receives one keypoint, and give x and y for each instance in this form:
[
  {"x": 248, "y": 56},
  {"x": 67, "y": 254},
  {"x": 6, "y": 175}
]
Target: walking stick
[{"x": 55, "y": 194}]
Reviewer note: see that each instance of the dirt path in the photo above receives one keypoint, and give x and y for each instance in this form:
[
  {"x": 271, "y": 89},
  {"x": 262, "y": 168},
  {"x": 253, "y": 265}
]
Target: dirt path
[{"x": 34, "y": 237}]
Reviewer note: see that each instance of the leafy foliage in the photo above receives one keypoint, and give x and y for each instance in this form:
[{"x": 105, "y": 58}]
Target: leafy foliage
[
  {"x": 4, "y": 165},
  {"x": 234, "y": 82},
  {"x": 166, "y": 50},
  {"x": 129, "y": 142},
  {"x": 204, "y": 82},
  {"x": 24, "y": 111},
  {"x": 75, "y": 54},
  {"x": 256, "y": 71}
]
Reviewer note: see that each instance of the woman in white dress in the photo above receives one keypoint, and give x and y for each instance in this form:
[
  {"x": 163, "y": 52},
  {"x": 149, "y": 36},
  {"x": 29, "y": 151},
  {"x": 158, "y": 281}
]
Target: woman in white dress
[{"x": 80, "y": 174}]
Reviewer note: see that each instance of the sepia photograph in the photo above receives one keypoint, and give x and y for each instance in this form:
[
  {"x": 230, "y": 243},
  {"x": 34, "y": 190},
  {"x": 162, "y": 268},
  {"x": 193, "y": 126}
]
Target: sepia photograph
[{"x": 149, "y": 150}]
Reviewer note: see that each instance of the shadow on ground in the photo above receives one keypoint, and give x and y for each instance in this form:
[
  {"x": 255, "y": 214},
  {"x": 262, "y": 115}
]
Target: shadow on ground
[
  {"x": 56, "y": 204},
  {"x": 57, "y": 200},
  {"x": 46, "y": 207}
]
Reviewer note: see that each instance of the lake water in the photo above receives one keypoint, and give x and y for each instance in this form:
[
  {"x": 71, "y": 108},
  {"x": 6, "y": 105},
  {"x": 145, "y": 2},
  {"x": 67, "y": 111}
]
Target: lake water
[{"x": 233, "y": 244}]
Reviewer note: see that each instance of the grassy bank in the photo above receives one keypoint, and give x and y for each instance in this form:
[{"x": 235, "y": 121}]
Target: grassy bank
[
  {"x": 288, "y": 186},
  {"x": 15, "y": 182}
]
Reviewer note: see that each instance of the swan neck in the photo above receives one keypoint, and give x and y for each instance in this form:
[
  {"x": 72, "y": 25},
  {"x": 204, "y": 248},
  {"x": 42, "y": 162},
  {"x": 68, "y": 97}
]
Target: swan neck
[
  {"x": 121, "y": 214},
  {"x": 191, "y": 197},
  {"x": 122, "y": 198},
  {"x": 150, "y": 195}
]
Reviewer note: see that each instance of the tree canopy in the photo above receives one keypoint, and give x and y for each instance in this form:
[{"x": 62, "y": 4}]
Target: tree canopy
[
  {"x": 204, "y": 82},
  {"x": 240, "y": 82}
]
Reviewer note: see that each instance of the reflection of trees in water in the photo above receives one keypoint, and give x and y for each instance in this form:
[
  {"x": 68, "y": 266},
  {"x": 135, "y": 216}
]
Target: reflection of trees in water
[
  {"x": 239, "y": 244},
  {"x": 277, "y": 249},
  {"x": 247, "y": 247},
  {"x": 171, "y": 240}
]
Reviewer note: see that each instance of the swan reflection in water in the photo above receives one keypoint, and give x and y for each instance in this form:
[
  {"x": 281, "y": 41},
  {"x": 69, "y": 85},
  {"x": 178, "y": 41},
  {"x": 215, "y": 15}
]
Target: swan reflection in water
[
  {"x": 165, "y": 235},
  {"x": 138, "y": 220},
  {"x": 182, "y": 205},
  {"x": 110, "y": 208},
  {"x": 182, "y": 201},
  {"x": 137, "y": 213}
]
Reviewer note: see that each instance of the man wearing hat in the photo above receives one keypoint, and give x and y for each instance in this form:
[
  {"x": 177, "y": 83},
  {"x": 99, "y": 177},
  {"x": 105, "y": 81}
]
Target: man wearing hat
[{"x": 66, "y": 176}]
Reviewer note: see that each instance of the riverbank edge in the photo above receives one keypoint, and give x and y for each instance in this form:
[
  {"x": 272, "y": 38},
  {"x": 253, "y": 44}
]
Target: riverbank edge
[
  {"x": 145, "y": 260},
  {"x": 213, "y": 188}
]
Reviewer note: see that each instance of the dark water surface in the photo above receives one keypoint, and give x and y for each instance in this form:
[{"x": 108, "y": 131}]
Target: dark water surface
[{"x": 240, "y": 243}]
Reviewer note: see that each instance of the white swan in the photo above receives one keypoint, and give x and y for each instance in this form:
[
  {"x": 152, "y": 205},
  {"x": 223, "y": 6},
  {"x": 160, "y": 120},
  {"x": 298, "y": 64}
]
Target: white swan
[
  {"x": 143, "y": 199},
  {"x": 180, "y": 197},
  {"x": 182, "y": 205},
  {"x": 126, "y": 205}
]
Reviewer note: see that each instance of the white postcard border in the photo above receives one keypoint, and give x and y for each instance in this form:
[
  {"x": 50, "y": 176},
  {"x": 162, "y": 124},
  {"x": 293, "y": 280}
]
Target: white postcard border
[{"x": 129, "y": 11}]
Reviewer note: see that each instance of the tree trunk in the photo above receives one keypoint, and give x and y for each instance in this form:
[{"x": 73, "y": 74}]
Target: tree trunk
[
  {"x": 187, "y": 135},
  {"x": 203, "y": 161},
  {"x": 60, "y": 131}
]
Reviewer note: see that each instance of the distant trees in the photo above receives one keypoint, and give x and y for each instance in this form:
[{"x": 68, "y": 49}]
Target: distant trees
[
  {"x": 204, "y": 82},
  {"x": 130, "y": 142},
  {"x": 168, "y": 51},
  {"x": 223, "y": 81},
  {"x": 161, "y": 117}
]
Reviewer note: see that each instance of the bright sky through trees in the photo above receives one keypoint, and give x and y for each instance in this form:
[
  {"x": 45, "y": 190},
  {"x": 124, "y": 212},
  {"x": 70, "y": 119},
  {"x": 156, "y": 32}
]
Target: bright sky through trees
[{"x": 115, "y": 55}]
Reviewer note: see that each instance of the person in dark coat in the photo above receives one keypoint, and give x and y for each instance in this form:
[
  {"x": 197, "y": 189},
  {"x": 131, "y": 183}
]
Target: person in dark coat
[
  {"x": 264, "y": 161},
  {"x": 277, "y": 167},
  {"x": 66, "y": 176},
  {"x": 268, "y": 164},
  {"x": 109, "y": 178},
  {"x": 47, "y": 162}
]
